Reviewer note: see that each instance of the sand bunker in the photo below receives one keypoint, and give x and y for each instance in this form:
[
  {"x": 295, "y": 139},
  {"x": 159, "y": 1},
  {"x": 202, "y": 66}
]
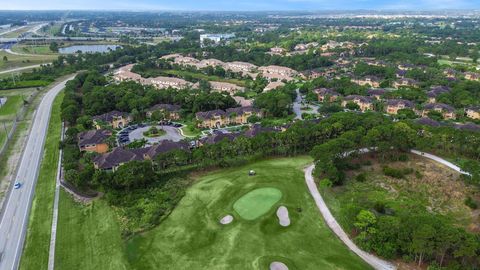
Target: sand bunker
[
  {"x": 278, "y": 266},
  {"x": 282, "y": 214},
  {"x": 226, "y": 219}
]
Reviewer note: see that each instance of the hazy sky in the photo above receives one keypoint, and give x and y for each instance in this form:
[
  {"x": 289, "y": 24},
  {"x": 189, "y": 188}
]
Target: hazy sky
[{"x": 234, "y": 5}]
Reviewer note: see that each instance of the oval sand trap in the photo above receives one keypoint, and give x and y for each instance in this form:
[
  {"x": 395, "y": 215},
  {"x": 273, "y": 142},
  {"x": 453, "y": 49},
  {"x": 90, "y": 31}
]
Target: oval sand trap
[
  {"x": 278, "y": 266},
  {"x": 283, "y": 218},
  {"x": 257, "y": 202},
  {"x": 226, "y": 219}
]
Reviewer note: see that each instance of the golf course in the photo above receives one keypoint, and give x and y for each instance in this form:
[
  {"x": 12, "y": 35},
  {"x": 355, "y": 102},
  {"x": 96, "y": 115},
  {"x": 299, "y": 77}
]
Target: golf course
[{"x": 193, "y": 237}]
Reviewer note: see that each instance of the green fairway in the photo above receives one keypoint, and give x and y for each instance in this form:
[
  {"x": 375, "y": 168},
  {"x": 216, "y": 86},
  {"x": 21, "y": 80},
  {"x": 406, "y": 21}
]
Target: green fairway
[
  {"x": 192, "y": 237},
  {"x": 15, "y": 61},
  {"x": 257, "y": 202}
]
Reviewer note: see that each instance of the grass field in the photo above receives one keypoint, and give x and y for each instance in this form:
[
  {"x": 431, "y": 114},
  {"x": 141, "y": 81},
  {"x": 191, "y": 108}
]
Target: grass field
[
  {"x": 192, "y": 238},
  {"x": 37, "y": 242},
  {"x": 15, "y": 61},
  {"x": 12, "y": 105},
  {"x": 28, "y": 49},
  {"x": 88, "y": 237}
]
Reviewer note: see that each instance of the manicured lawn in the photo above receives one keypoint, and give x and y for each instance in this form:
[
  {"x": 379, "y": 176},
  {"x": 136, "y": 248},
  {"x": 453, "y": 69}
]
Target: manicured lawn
[
  {"x": 192, "y": 237},
  {"x": 257, "y": 202},
  {"x": 88, "y": 236},
  {"x": 35, "y": 254}
]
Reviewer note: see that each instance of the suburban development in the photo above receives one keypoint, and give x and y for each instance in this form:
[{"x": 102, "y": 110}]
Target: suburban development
[{"x": 304, "y": 138}]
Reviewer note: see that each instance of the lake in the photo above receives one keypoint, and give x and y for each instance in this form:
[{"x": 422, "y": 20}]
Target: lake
[{"x": 88, "y": 48}]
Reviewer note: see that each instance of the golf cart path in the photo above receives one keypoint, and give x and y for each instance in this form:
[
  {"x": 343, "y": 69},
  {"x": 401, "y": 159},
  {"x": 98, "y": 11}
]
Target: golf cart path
[{"x": 372, "y": 260}]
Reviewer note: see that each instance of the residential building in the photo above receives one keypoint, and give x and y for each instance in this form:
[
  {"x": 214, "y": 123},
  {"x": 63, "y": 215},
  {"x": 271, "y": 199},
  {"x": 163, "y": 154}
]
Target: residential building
[
  {"x": 93, "y": 140},
  {"x": 210, "y": 63},
  {"x": 406, "y": 66},
  {"x": 436, "y": 91},
  {"x": 365, "y": 103},
  {"x": 114, "y": 119},
  {"x": 450, "y": 73},
  {"x": 219, "y": 118},
  {"x": 273, "y": 85},
  {"x": 238, "y": 66},
  {"x": 471, "y": 76},
  {"x": 277, "y": 51},
  {"x": 212, "y": 119},
  {"x": 215, "y": 38},
  {"x": 394, "y": 105},
  {"x": 185, "y": 61},
  {"x": 280, "y": 70},
  {"x": 425, "y": 121},
  {"x": 376, "y": 93},
  {"x": 226, "y": 87},
  {"x": 119, "y": 156},
  {"x": 368, "y": 80},
  {"x": 473, "y": 112},
  {"x": 125, "y": 74},
  {"x": 169, "y": 111},
  {"x": 162, "y": 82},
  {"x": 405, "y": 82},
  {"x": 216, "y": 137},
  {"x": 240, "y": 115},
  {"x": 243, "y": 101},
  {"x": 447, "y": 111},
  {"x": 326, "y": 94}
]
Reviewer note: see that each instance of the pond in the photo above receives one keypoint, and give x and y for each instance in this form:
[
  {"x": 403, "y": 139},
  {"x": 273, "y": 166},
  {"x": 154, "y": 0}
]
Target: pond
[{"x": 101, "y": 48}]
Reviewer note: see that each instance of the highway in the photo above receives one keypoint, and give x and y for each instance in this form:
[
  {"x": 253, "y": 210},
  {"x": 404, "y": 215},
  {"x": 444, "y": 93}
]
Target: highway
[{"x": 14, "y": 218}]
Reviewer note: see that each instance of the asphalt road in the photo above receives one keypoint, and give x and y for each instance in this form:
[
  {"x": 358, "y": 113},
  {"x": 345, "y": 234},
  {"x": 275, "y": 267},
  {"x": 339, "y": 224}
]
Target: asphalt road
[
  {"x": 20, "y": 68},
  {"x": 14, "y": 219}
]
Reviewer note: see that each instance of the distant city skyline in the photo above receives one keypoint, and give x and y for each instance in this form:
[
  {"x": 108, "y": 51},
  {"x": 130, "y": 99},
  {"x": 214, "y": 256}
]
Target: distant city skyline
[{"x": 239, "y": 5}]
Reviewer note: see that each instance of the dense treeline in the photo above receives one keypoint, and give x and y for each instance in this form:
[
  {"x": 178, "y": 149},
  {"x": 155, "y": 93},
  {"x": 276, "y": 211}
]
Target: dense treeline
[
  {"x": 88, "y": 95},
  {"x": 412, "y": 232}
]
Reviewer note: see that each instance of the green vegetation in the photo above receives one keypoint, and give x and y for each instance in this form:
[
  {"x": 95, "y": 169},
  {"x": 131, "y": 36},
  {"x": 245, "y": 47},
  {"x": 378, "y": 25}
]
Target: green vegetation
[
  {"x": 257, "y": 202},
  {"x": 154, "y": 132},
  {"x": 387, "y": 213},
  {"x": 200, "y": 76},
  {"x": 12, "y": 105},
  {"x": 37, "y": 242},
  {"x": 88, "y": 236},
  {"x": 15, "y": 61},
  {"x": 33, "y": 49},
  {"x": 201, "y": 242}
]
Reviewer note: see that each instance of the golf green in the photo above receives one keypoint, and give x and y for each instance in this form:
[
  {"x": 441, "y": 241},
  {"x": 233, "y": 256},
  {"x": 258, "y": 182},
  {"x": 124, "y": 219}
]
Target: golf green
[{"x": 257, "y": 202}]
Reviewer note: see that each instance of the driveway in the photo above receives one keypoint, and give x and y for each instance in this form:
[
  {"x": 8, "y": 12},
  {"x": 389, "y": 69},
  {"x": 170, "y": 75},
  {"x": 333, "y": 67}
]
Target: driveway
[
  {"x": 172, "y": 134},
  {"x": 297, "y": 106}
]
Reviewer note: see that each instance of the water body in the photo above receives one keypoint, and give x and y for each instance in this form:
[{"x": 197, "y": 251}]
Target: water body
[{"x": 88, "y": 48}]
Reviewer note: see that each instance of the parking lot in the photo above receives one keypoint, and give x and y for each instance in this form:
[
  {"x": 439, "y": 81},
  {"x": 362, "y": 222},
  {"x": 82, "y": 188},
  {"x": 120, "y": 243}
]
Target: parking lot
[{"x": 135, "y": 132}]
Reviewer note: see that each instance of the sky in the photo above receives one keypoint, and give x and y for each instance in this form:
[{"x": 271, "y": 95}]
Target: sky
[{"x": 239, "y": 5}]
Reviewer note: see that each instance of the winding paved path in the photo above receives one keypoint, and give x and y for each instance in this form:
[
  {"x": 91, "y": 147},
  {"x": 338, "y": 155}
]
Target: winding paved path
[
  {"x": 337, "y": 229},
  {"x": 372, "y": 260}
]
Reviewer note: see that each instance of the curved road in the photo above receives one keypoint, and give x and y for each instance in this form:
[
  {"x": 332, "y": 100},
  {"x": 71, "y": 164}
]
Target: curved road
[
  {"x": 13, "y": 225},
  {"x": 20, "y": 68}
]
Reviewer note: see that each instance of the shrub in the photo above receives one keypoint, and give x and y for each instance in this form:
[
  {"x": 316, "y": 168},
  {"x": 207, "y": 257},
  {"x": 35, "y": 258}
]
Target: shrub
[
  {"x": 361, "y": 177},
  {"x": 471, "y": 203},
  {"x": 396, "y": 173}
]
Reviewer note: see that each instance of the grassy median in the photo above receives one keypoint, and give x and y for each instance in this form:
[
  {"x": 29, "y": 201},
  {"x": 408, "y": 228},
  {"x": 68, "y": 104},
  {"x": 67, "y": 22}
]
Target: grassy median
[{"x": 37, "y": 243}]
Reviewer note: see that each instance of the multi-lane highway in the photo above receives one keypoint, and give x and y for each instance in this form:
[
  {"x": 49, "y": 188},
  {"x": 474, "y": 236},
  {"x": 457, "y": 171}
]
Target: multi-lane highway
[{"x": 14, "y": 218}]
